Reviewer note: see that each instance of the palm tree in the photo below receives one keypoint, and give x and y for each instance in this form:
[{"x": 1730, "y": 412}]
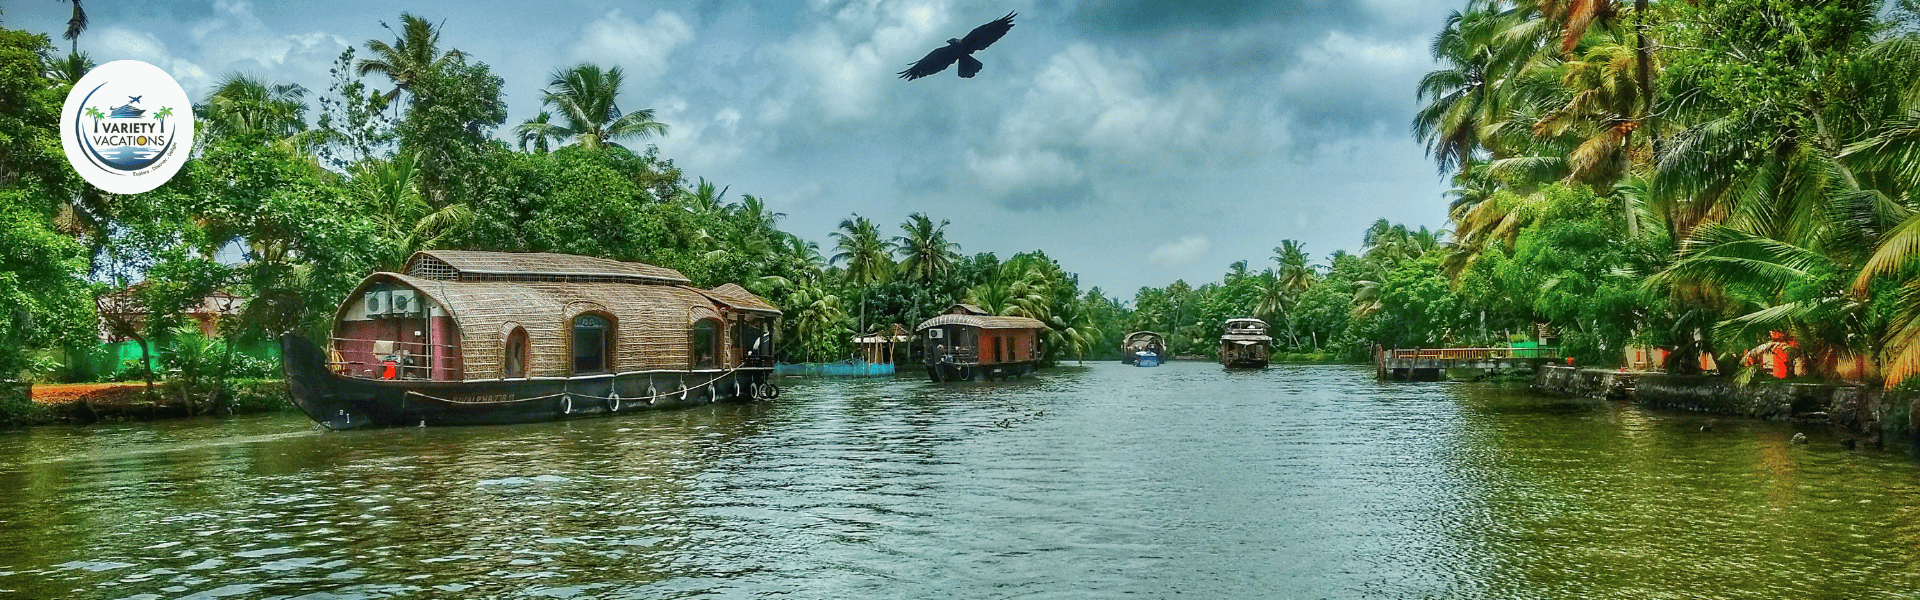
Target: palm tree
[
  {"x": 814, "y": 313},
  {"x": 585, "y": 98},
  {"x": 390, "y": 191},
  {"x": 801, "y": 257},
  {"x": 75, "y": 24},
  {"x": 1295, "y": 274},
  {"x": 860, "y": 247},
  {"x": 412, "y": 55},
  {"x": 245, "y": 106},
  {"x": 69, "y": 70},
  {"x": 536, "y": 132},
  {"x": 927, "y": 253},
  {"x": 1460, "y": 96}
]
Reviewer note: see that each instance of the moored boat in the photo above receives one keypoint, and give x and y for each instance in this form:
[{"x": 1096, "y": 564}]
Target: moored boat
[
  {"x": 469, "y": 338},
  {"x": 1143, "y": 349},
  {"x": 967, "y": 343},
  {"x": 1245, "y": 344}
]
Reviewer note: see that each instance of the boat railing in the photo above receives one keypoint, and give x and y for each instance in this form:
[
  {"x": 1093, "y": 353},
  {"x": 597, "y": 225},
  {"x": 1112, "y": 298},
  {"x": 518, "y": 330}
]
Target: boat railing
[
  {"x": 957, "y": 355},
  {"x": 412, "y": 360}
]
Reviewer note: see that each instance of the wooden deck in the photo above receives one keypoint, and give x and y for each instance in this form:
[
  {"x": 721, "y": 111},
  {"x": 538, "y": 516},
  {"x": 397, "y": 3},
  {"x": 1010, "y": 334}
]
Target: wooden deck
[{"x": 1432, "y": 364}]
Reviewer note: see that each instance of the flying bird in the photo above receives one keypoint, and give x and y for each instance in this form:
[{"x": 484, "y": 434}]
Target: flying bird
[{"x": 958, "y": 50}]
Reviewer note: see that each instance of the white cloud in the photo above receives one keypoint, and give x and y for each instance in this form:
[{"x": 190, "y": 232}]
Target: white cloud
[
  {"x": 1353, "y": 82},
  {"x": 1030, "y": 170},
  {"x": 1095, "y": 110},
  {"x": 1180, "y": 252},
  {"x": 641, "y": 50},
  {"x": 114, "y": 43},
  {"x": 844, "y": 61}
]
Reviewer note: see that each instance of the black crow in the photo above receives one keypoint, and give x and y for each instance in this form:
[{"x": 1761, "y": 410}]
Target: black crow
[{"x": 957, "y": 50}]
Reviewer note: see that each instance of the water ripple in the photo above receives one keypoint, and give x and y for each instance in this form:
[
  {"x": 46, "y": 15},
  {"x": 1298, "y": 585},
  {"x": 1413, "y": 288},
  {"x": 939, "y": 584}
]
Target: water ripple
[{"x": 1094, "y": 481}]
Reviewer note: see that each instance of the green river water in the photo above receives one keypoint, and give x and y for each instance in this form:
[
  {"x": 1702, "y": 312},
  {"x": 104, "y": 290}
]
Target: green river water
[{"x": 1102, "y": 481}]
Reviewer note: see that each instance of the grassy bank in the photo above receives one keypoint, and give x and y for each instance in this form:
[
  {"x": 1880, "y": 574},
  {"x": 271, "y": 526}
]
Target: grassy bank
[{"x": 19, "y": 406}]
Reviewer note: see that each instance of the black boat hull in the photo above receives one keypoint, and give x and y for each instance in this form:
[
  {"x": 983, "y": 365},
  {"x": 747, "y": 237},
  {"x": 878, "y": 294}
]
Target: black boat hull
[
  {"x": 339, "y": 402},
  {"x": 947, "y": 372}
]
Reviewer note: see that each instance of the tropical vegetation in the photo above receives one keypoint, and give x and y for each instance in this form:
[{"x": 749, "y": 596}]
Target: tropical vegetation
[{"x": 1695, "y": 175}]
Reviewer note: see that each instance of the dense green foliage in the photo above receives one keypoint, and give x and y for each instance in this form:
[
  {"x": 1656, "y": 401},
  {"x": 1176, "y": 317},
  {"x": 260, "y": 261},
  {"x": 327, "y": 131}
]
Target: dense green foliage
[{"x": 1686, "y": 174}]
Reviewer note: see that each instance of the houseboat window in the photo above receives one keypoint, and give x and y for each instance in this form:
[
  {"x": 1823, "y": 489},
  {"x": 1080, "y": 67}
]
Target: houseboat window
[
  {"x": 703, "y": 344},
  {"x": 516, "y": 363},
  {"x": 998, "y": 344},
  {"x": 590, "y": 344}
]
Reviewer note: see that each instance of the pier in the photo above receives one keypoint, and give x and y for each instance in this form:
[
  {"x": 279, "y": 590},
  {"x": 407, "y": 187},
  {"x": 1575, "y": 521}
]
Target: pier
[{"x": 1432, "y": 364}]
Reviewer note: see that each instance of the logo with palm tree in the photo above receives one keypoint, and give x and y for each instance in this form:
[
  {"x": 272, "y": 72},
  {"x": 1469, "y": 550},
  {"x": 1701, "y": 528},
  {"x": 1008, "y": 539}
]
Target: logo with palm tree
[{"x": 120, "y": 128}]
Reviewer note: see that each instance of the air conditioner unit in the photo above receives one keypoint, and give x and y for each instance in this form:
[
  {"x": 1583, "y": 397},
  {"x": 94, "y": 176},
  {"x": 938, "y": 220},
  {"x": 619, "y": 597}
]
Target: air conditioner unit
[
  {"x": 377, "y": 303},
  {"x": 404, "y": 303},
  {"x": 934, "y": 334}
]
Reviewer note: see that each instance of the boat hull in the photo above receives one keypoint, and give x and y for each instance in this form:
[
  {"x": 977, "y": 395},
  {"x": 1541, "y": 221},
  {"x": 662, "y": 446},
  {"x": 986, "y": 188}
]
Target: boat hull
[
  {"x": 947, "y": 372},
  {"x": 339, "y": 402},
  {"x": 1246, "y": 363}
]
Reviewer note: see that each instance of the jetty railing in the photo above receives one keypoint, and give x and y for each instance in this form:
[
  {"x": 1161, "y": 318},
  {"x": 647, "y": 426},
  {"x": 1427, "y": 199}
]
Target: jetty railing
[
  {"x": 1470, "y": 353},
  {"x": 1429, "y": 364}
]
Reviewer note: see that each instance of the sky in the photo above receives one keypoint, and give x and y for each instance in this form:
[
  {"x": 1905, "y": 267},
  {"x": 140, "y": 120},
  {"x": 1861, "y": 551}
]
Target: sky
[{"x": 1136, "y": 142}]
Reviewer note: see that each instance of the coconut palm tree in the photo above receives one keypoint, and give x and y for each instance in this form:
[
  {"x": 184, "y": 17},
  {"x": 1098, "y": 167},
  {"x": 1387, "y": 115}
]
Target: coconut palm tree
[
  {"x": 927, "y": 255},
  {"x": 390, "y": 191},
  {"x": 860, "y": 247},
  {"x": 1461, "y": 97},
  {"x": 69, "y": 70},
  {"x": 413, "y": 53},
  {"x": 1295, "y": 274},
  {"x": 585, "y": 96},
  {"x": 536, "y": 133},
  {"x": 75, "y": 25},
  {"x": 245, "y": 106}
]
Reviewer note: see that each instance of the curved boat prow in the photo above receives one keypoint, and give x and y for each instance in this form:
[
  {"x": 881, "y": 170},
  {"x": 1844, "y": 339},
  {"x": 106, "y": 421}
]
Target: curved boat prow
[{"x": 311, "y": 384}]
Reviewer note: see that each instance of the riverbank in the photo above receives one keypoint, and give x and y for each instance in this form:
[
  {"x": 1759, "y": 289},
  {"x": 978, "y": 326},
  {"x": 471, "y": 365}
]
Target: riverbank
[
  {"x": 93, "y": 403},
  {"x": 1878, "y": 415}
]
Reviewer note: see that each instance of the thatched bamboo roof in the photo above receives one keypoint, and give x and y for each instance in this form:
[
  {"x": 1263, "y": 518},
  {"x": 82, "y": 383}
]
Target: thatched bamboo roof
[
  {"x": 738, "y": 298},
  {"x": 474, "y": 265},
  {"x": 982, "y": 321},
  {"x": 967, "y": 309}
]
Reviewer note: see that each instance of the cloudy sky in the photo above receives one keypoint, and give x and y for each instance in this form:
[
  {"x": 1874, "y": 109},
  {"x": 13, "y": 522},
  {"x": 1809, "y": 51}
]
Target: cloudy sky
[{"x": 1135, "y": 141}]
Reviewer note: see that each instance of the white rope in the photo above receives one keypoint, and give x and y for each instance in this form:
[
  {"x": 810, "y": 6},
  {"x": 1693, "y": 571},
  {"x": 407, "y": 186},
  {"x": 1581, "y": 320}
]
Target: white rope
[{"x": 649, "y": 398}]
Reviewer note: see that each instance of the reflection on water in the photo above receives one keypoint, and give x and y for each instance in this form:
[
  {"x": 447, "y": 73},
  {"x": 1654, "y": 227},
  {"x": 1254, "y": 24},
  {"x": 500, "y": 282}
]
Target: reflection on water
[{"x": 1096, "y": 481}]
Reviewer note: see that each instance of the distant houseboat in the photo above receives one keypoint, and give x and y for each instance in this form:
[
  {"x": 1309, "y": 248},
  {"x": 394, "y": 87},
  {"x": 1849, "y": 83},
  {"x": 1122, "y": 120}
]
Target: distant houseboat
[
  {"x": 1245, "y": 344},
  {"x": 1143, "y": 349},
  {"x": 966, "y": 342},
  {"x": 465, "y": 338}
]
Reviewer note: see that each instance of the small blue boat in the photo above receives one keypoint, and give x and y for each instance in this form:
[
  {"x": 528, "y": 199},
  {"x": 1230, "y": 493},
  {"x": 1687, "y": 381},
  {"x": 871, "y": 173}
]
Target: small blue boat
[{"x": 1146, "y": 359}]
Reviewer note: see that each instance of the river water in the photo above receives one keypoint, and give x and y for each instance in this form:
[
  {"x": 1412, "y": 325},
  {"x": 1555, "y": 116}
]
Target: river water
[{"x": 1099, "y": 481}]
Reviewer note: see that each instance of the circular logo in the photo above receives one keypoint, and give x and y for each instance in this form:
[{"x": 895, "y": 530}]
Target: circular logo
[{"x": 127, "y": 127}]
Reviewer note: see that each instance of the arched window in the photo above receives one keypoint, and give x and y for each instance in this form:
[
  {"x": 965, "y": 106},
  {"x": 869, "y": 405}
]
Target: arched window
[
  {"x": 516, "y": 358},
  {"x": 592, "y": 344},
  {"x": 705, "y": 344}
]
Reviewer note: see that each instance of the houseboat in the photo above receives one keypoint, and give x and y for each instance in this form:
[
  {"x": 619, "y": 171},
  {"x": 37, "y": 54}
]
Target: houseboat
[
  {"x": 1143, "y": 349},
  {"x": 469, "y": 338},
  {"x": 1245, "y": 344},
  {"x": 966, "y": 343}
]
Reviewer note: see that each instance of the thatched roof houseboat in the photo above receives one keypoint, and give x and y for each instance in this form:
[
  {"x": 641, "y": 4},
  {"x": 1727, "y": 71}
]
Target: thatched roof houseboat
[
  {"x": 1143, "y": 349},
  {"x": 966, "y": 342},
  {"x": 1245, "y": 344},
  {"x": 466, "y": 337}
]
